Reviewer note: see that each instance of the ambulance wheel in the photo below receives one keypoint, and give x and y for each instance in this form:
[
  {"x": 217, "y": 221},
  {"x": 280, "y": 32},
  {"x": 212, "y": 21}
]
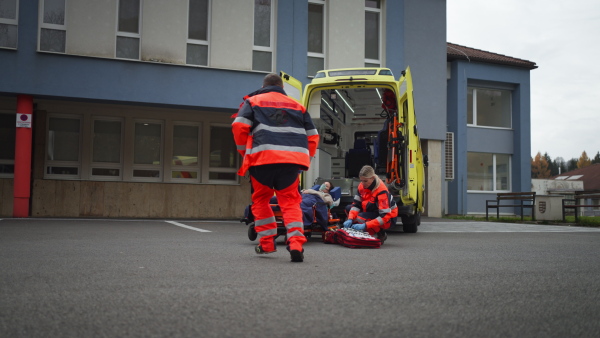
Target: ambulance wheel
[
  {"x": 252, "y": 232},
  {"x": 410, "y": 223}
]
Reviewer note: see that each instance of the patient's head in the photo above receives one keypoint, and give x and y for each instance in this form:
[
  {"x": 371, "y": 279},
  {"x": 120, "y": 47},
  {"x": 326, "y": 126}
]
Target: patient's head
[{"x": 326, "y": 187}]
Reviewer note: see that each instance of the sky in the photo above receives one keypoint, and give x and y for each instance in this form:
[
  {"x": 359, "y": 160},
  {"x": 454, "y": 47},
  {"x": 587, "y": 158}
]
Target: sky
[{"x": 563, "y": 39}]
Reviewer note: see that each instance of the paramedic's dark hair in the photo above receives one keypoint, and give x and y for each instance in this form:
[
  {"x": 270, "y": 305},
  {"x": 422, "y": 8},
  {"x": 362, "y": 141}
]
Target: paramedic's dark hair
[{"x": 272, "y": 79}]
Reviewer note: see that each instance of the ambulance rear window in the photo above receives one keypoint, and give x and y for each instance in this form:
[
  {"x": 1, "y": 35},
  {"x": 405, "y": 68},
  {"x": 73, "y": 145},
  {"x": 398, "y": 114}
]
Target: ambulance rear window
[{"x": 353, "y": 72}]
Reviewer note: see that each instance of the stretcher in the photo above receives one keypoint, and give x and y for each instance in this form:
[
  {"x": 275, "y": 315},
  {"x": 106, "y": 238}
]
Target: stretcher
[{"x": 332, "y": 220}]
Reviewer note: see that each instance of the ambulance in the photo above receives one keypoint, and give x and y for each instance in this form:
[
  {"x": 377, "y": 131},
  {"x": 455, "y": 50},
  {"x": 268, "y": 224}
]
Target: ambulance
[{"x": 365, "y": 117}]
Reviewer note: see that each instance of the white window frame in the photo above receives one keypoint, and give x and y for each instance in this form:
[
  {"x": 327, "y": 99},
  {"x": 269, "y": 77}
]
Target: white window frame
[
  {"x": 379, "y": 61},
  {"x": 209, "y": 169},
  {"x": 271, "y": 48},
  {"x": 12, "y": 22},
  {"x": 474, "y": 112},
  {"x": 52, "y": 163},
  {"x": 43, "y": 25},
  {"x": 159, "y": 167},
  {"x": 102, "y": 165},
  {"x": 494, "y": 174},
  {"x": 323, "y": 4},
  {"x": 137, "y": 35},
  {"x": 201, "y": 42},
  {"x": 198, "y": 167}
]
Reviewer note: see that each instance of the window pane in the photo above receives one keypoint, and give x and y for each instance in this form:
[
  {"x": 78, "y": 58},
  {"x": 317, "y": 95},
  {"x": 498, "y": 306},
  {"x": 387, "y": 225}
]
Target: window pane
[
  {"x": 222, "y": 148},
  {"x": 262, "y": 23},
  {"x": 52, "y": 40},
  {"x": 480, "y": 171},
  {"x": 185, "y": 145},
  {"x": 198, "y": 20},
  {"x": 184, "y": 174},
  {"x": 63, "y": 139},
  {"x": 315, "y": 28},
  {"x": 62, "y": 170},
  {"x": 107, "y": 142},
  {"x": 8, "y": 36},
  {"x": 376, "y": 65},
  {"x": 197, "y": 55},
  {"x": 493, "y": 108},
  {"x": 372, "y": 35},
  {"x": 502, "y": 172},
  {"x": 146, "y": 148},
  {"x": 105, "y": 172},
  {"x": 7, "y": 168},
  {"x": 315, "y": 65},
  {"x": 470, "y": 106},
  {"x": 8, "y": 9},
  {"x": 261, "y": 61},
  {"x": 373, "y": 3},
  {"x": 129, "y": 16},
  {"x": 146, "y": 173},
  {"x": 222, "y": 176},
  {"x": 128, "y": 48},
  {"x": 54, "y": 12},
  {"x": 7, "y": 136}
]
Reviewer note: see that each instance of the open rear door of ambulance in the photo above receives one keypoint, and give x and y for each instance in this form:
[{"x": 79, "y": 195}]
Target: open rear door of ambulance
[
  {"x": 292, "y": 87},
  {"x": 413, "y": 160}
]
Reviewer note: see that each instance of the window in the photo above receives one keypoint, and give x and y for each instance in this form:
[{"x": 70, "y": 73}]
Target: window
[
  {"x": 107, "y": 136},
  {"x": 185, "y": 165},
  {"x": 262, "y": 55},
  {"x": 223, "y": 161},
  {"x": 197, "y": 43},
  {"x": 147, "y": 150},
  {"x": 372, "y": 33},
  {"x": 9, "y": 21},
  {"x": 63, "y": 152},
  {"x": 7, "y": 139},
  {"x": 316, "y": 36},
  {"x": 488, "y": 172},
  {"x": 53, "y": 29},
  {"x": 128, "y": 31},
  {"x": 489, "y": 107}
]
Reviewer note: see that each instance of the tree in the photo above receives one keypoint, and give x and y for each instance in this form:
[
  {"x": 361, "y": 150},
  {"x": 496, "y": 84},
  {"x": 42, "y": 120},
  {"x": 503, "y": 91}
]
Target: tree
[
  {"x": 584, "y": 160},
  {"x": 551, "y": 165},
  {"x": 572, "y": 164},
  {"x": 539, "y": 167},
  {"x": 596, "y": 158}
]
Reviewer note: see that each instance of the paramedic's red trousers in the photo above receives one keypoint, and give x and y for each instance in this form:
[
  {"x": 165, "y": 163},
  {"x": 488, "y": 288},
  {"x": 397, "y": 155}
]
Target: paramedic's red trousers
[{"x": 281, "y": 179}]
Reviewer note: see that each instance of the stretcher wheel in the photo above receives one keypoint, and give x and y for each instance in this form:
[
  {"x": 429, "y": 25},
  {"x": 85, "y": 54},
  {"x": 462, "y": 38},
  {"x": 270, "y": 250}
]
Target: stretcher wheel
[{"x": 252, "y": 232}]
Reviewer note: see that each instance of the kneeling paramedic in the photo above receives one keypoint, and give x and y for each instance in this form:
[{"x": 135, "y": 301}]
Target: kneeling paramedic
[
  {"x": 277, "y": 139},
  {"x": 373, "y": 209}
]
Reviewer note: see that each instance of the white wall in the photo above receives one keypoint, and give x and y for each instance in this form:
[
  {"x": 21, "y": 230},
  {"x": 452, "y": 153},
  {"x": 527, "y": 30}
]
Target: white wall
[
  {"x": 346, "y": 36},
  {"x": 91, "y": 27}
]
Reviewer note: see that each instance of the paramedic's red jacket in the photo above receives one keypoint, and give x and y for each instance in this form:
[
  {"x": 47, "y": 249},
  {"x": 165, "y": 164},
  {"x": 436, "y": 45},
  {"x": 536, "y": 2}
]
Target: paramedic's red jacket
[
  {"x": 271, "y": 127},
  {"x": 377, "y": 200}
]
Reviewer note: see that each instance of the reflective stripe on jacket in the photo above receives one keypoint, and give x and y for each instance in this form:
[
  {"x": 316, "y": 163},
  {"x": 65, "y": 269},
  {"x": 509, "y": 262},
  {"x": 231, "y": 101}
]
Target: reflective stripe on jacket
[
  {"x": 378, "y": 200},
  {"x": 271, "y": 127}
]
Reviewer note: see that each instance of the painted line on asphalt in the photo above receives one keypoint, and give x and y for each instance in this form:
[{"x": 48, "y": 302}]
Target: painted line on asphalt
[{"x": 187, "y": 226}]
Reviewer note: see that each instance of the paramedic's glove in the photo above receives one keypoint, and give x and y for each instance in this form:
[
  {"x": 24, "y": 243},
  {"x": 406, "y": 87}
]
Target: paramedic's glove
[
  {"x": 348, "y": 223},
  {"x": 359, "y": 226}
]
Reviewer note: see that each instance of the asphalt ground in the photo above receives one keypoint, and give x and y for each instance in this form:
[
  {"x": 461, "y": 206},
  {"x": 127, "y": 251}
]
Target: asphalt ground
[{"x": 157, "y": 278}]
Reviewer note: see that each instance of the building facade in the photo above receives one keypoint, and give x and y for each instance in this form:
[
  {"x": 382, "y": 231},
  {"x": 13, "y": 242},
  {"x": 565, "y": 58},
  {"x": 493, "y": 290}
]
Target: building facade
[
  {"x": 128, "y": 102},
  {"x": 489, "y": 127}
]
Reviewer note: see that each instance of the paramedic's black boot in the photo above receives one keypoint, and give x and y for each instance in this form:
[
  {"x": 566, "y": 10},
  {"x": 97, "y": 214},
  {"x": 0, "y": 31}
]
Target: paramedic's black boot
[
  {"x": 382, "y": 236},
  {"x": 296, "y": 255},
  {"x": 259, "y": 250}
]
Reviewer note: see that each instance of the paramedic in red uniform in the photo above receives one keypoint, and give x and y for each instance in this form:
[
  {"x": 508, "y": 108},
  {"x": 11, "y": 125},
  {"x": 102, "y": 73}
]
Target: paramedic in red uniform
[
  {"x": 277, "y": 139},
  {"x": 373, "y": 209}
]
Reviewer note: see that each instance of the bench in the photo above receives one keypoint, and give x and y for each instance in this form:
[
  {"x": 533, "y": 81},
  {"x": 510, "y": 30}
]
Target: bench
[
  {"x": 573, "y": 203},
  {"x": 520, "y": 200}
]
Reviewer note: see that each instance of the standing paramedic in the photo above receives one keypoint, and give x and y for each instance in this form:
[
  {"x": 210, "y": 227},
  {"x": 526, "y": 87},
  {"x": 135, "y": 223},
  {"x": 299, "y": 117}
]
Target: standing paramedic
[
  {"x": 277, "y": 139},
  {"x": 373, "y": 209}
]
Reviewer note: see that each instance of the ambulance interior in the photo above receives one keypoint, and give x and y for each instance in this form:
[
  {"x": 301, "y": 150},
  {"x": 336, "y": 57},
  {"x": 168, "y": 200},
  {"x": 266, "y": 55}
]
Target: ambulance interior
[{"x": 350, "y": 122}]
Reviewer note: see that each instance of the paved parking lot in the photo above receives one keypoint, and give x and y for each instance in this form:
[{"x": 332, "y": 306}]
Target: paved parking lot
[{"x": 181, "y": 278}]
